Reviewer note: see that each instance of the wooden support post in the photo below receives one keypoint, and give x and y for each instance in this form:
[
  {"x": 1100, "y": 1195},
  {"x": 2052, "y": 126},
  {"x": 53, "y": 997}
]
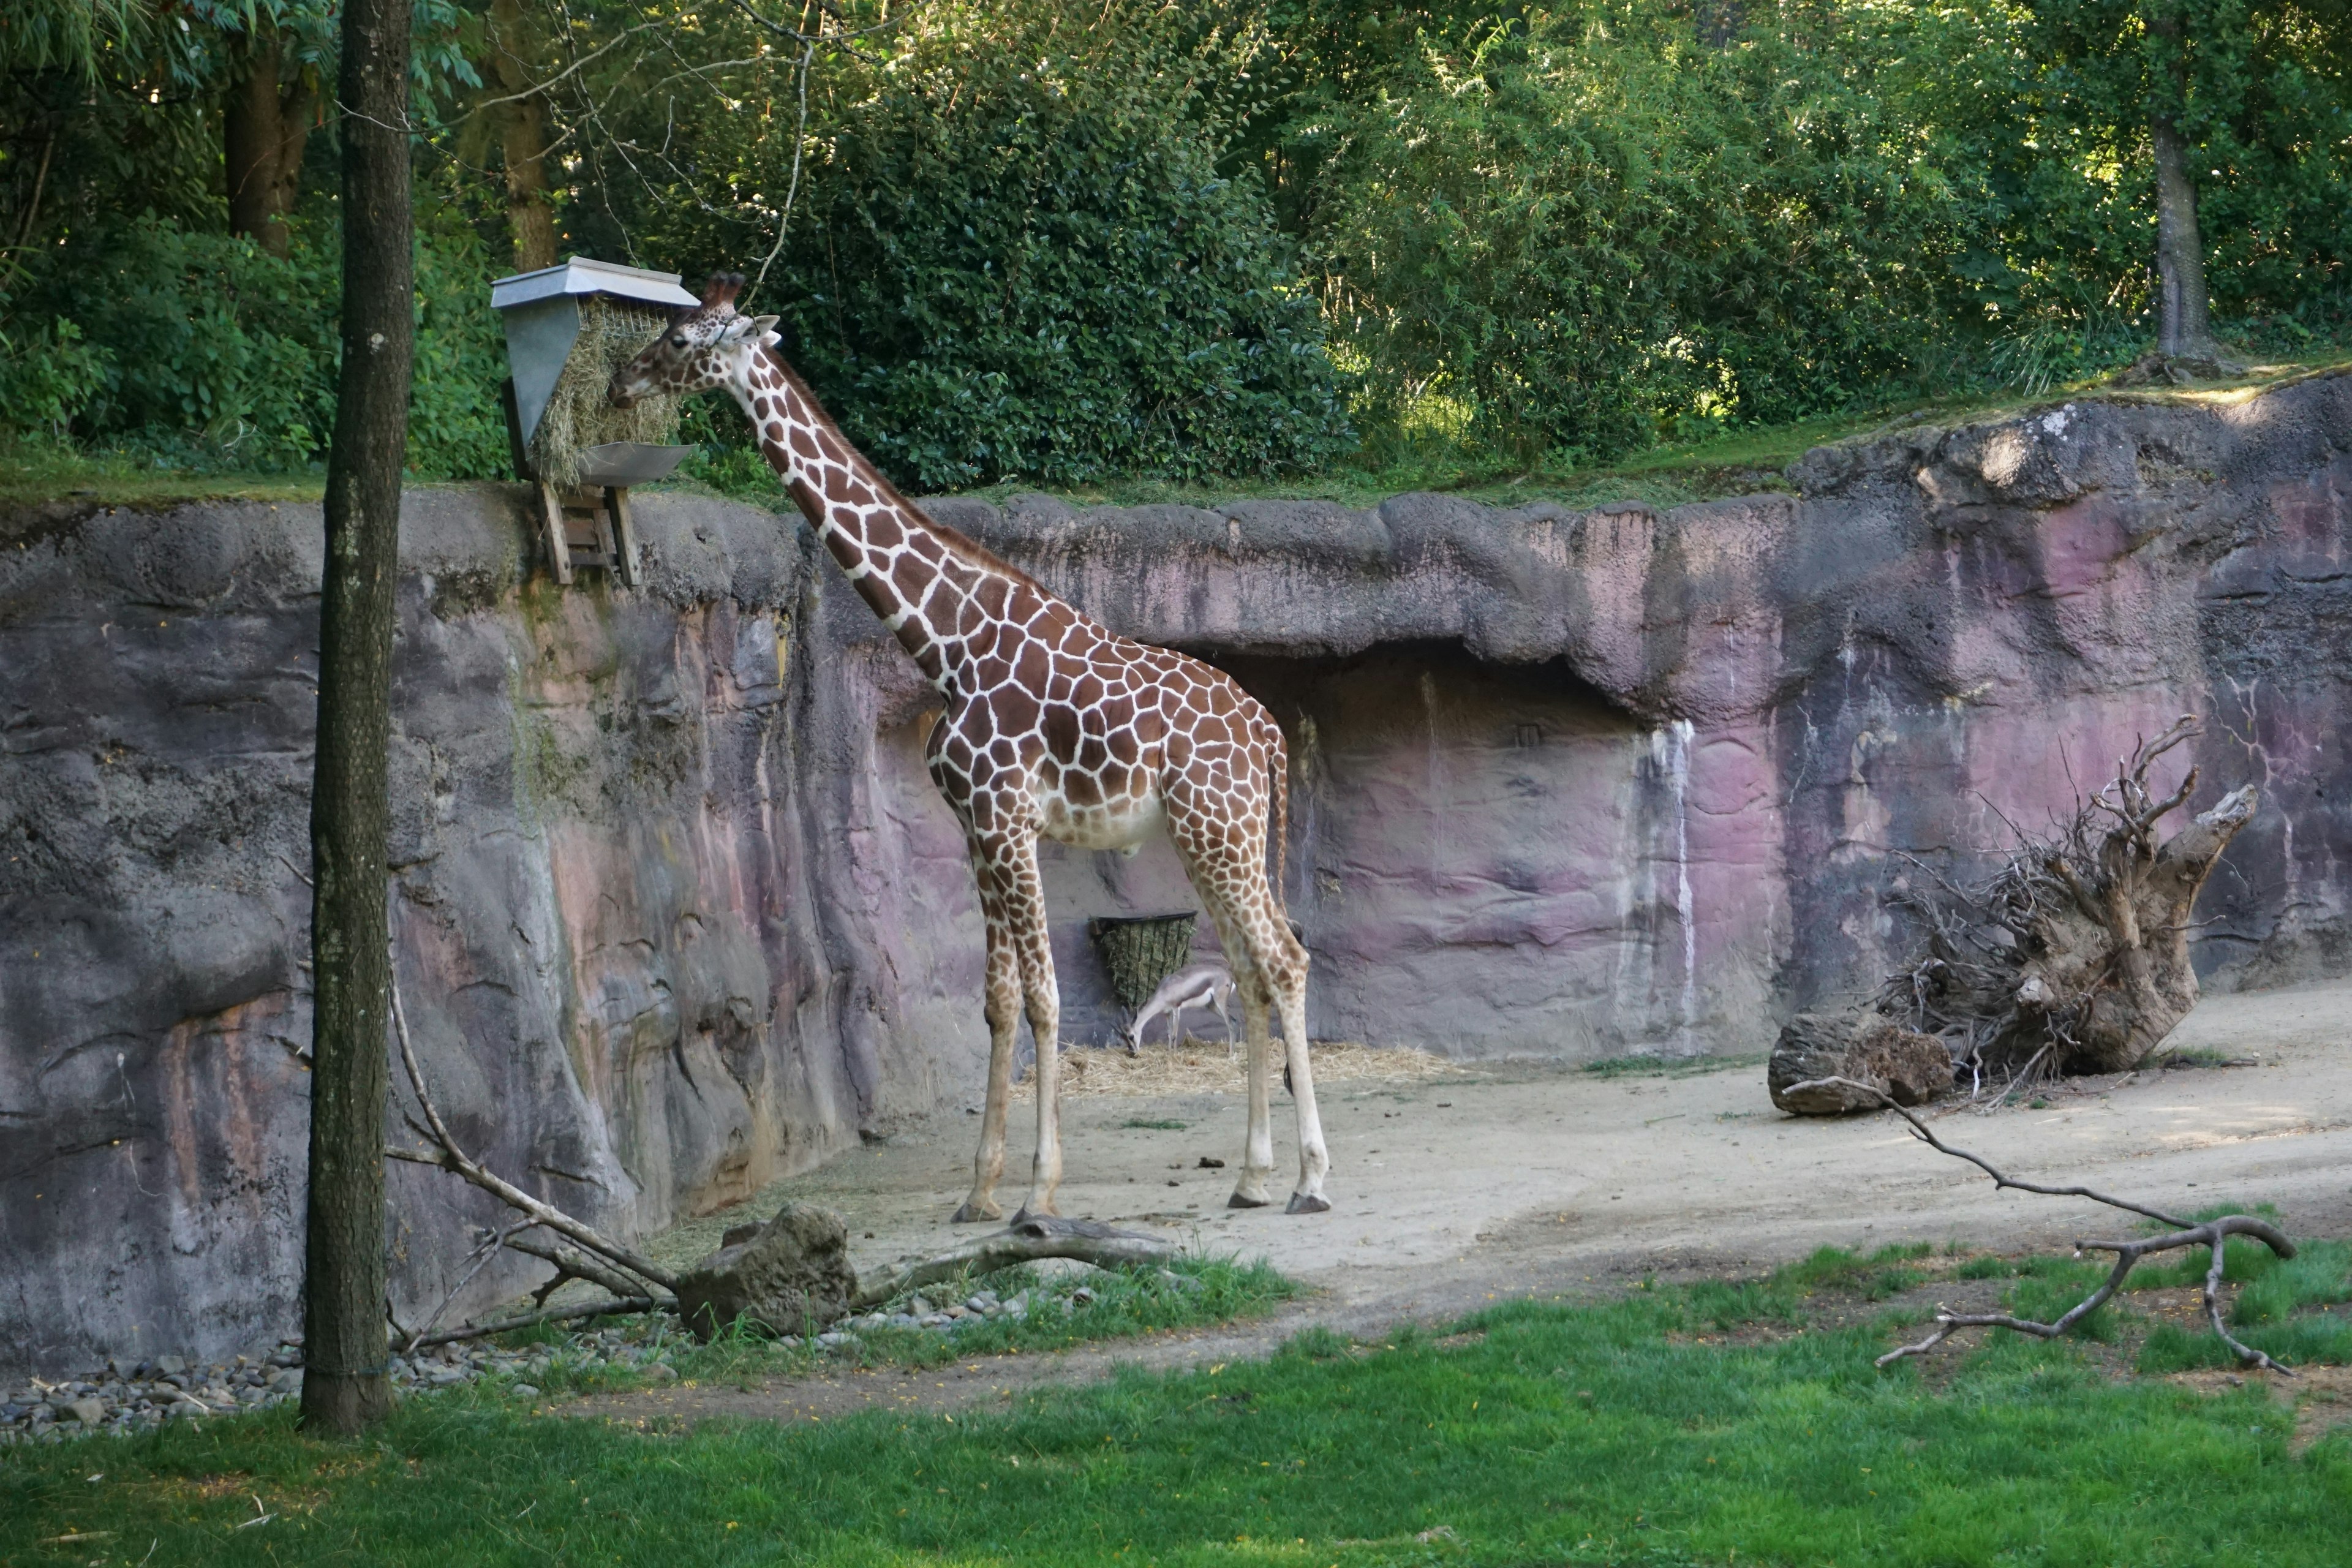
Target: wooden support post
[
  {"x": 559, "y": 547},
  {"x": 625, "y": 536}
]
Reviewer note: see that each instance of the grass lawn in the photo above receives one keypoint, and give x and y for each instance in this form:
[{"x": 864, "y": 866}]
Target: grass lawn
[{"x": 1711, "y": 1424}]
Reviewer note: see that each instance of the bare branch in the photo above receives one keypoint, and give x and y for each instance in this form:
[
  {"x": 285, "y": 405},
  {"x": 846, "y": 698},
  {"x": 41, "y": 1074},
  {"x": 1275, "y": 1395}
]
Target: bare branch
[
  {"x": 453, "y": 1159},
  {"x": 2212, "y": 1233},
  {"x": 569, "y": 1314},
  {"x": 1919, "y": 1129},
  {"x": 1023, "y": 1241}
]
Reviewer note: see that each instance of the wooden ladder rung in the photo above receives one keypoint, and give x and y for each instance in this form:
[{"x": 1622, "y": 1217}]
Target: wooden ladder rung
[{"x": 588, "y": 526}]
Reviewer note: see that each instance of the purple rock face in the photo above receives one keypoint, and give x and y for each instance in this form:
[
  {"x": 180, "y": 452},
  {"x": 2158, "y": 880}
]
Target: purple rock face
[{"x": 678, "y": 911}]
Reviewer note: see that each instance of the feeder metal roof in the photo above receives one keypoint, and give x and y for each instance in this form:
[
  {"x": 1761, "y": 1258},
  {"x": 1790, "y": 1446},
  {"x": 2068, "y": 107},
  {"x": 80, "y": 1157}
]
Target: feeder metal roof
[{"x": 582, "y": 276}]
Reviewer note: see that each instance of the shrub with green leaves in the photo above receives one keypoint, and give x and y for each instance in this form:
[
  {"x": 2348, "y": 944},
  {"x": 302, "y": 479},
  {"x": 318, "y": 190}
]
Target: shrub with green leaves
[
  {"x": 1013, "y": 256},
  {"x": 1595, "y": 230},
  {"x": 207, "y": 353}
]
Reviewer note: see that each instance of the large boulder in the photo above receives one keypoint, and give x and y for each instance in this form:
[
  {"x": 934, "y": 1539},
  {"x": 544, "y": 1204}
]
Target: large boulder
[
  {"x": 790, "y": 1275},
  {"x": 1910, "y": 1066}
]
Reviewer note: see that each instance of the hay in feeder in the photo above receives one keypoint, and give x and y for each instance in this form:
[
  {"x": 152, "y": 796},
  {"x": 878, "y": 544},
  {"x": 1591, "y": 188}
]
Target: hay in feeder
[
  {"x": 1140, "y": 953},
  {"x": 612, "y": 333}
]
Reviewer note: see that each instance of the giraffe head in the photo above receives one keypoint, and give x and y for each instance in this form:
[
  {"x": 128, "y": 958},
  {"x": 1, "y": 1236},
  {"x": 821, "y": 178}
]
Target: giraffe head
[{"x": 706, "y": 345}]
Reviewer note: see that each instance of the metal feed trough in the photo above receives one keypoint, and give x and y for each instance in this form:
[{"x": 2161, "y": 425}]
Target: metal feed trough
[{"x": 568, "y": 328}]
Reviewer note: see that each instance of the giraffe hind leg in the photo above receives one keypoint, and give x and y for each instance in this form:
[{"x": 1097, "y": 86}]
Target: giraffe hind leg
[{"x": 1280, "y": 963}]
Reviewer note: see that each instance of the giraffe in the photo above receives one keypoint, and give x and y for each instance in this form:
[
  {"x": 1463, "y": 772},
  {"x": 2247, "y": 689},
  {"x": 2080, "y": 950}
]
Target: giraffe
[{"x": 1053, "y": 726}]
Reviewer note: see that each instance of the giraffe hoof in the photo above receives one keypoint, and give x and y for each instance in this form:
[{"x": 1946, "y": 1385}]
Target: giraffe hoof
[
  {"x": 1244, "y": 1201},
  {"x": 1307, "y": 1202},
  {"x": 975, "y": 1210}
]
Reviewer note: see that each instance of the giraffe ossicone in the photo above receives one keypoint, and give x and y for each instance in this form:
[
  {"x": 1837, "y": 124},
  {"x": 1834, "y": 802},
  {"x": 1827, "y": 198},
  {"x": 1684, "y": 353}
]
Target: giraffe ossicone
[{"x": 1053, "y": 726}]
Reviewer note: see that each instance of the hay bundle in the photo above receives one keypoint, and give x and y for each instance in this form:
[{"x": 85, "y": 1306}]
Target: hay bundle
[
  {"x": 1140, "y": 953},
  {"x": 612, "y": 333}
]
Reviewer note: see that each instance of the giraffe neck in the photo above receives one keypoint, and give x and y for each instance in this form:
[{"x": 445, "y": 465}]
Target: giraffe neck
[{"x": 890, "y": 551}]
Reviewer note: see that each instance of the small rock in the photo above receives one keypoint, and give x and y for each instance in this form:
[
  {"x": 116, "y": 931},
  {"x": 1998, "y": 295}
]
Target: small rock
[
  {"x": 171, "y": 1364},
  {"x": 793, "y": 1271},
  {"x": 1084, "y": 1295},
  {"x": 87, "y": 1410},
  {"x": 524, "y": 1391},
  {"x": 661, "y": 1372},
  {"x": 1209, "y": 1164},
  {"x": 286, "y": 1380}
]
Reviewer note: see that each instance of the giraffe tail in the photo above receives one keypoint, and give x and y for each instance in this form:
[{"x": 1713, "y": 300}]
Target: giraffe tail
[{"x": 1277, "y": 780}]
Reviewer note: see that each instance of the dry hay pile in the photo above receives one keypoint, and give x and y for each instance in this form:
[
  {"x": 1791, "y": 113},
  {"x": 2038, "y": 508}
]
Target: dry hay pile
[
  {"x": 612, "y": 333},
  {"x": 1202, "y": 1066}
]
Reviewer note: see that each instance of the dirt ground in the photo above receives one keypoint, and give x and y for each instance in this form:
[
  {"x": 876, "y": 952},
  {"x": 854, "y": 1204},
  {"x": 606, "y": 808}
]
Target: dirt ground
[{"x": 1449, "y": 1192}]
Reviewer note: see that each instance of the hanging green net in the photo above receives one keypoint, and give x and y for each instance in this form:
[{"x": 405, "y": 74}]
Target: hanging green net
[
  {"x": 612, "y": 333},
  {"x": 1140, "y": 953}
]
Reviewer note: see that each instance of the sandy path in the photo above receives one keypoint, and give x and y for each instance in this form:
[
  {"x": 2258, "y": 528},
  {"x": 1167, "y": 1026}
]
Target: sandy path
[{"x": 1450, "y": 1194}]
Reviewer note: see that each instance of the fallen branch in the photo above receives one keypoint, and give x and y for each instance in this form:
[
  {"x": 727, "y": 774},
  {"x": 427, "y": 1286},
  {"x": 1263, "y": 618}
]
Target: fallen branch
[
  {"x": 569, "y": 1314},
  {"x": 1029, "y": 1240},
  {"x": 572, "y": 1265},
  {"x": 450, "y": 1157},
  {"x": 2212, "y": 1235}
]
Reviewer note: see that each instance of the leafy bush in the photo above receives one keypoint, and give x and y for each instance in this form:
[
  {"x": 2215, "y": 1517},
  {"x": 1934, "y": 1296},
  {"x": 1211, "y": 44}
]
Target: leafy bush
[
  {"x": 1014, "y": 256},
  {"x": 209, "y": 353},
  {"x": 1597, "y": 231}
]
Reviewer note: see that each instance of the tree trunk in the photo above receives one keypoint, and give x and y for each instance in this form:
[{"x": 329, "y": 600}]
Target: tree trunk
[
  {"x": 531, "y": 221},
  {"x": 264, "y": 122},
  {"x": 2185, "y": 323},
  {"x": 345, "y": 1387}
]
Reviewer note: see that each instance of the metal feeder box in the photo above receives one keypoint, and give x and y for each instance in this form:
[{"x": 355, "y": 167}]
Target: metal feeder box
[{"x": 584, "y": 514}]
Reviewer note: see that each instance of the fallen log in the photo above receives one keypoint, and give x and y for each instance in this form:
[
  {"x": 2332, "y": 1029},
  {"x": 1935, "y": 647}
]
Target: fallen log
[{"x": 1031, "y": 1239}]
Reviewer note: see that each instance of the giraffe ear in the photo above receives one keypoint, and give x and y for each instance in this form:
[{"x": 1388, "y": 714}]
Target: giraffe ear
[{"x": 749, "y": 328}]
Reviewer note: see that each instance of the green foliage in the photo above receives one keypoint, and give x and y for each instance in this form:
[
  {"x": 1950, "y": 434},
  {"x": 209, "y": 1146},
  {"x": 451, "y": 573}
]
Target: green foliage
[
  {"x": 207, "y": 353},
  {"x": 49, "y": 377},
  {"x": 1205, "y": 245},
  {"x": 1596, "y": 233},
  {"x": 1013, "y": 256},
  {"x": 1548, "y": 1434}
]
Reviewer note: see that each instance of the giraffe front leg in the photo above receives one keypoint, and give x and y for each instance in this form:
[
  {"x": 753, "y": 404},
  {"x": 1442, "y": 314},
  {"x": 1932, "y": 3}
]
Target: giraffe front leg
[
  {"x": 1024, "y": 919},
  {"x": 1002, "y": 1002},
  {"x": 1251, "y": 1191}
]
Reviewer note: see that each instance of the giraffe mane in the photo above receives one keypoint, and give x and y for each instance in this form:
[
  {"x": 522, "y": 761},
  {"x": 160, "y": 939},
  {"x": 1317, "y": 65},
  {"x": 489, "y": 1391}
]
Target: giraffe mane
[{"x": 960, "y": 544}]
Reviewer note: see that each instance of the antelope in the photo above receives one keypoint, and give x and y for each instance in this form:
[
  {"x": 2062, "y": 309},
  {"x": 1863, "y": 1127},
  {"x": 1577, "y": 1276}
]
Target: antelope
[{"x": 1209, "y": 984}]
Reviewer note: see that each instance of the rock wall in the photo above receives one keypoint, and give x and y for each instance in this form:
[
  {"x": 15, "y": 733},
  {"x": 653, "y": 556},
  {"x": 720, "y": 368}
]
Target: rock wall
[{"x": 677, "y": 910}]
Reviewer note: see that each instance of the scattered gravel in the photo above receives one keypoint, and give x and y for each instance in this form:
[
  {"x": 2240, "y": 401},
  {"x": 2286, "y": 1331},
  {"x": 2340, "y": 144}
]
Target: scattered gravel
[{"x": 136, "y": 1396}]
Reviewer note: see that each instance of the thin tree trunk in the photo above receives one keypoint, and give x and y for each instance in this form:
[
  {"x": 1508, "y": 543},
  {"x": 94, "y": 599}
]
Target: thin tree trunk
[
  {"x": 249, "y": 143},
  {"x": 265, "y": 124},
  {"x": 2185, "y": 327},
  {"x": 345, "y": 1387},
  {"x": 531, "y": 221}
]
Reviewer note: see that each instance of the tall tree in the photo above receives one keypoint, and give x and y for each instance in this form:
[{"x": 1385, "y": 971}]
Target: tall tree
[
  {"x": 515, "y": 54},
  {"x": 2185, "y": 317},
  {"x": 345, "y": 1387},
  {"x": 267, "y": 112}
]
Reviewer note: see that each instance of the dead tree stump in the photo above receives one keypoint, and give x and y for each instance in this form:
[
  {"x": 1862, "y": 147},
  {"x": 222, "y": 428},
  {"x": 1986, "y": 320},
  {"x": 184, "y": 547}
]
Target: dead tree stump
[{"x": 2073, "y": 956}]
